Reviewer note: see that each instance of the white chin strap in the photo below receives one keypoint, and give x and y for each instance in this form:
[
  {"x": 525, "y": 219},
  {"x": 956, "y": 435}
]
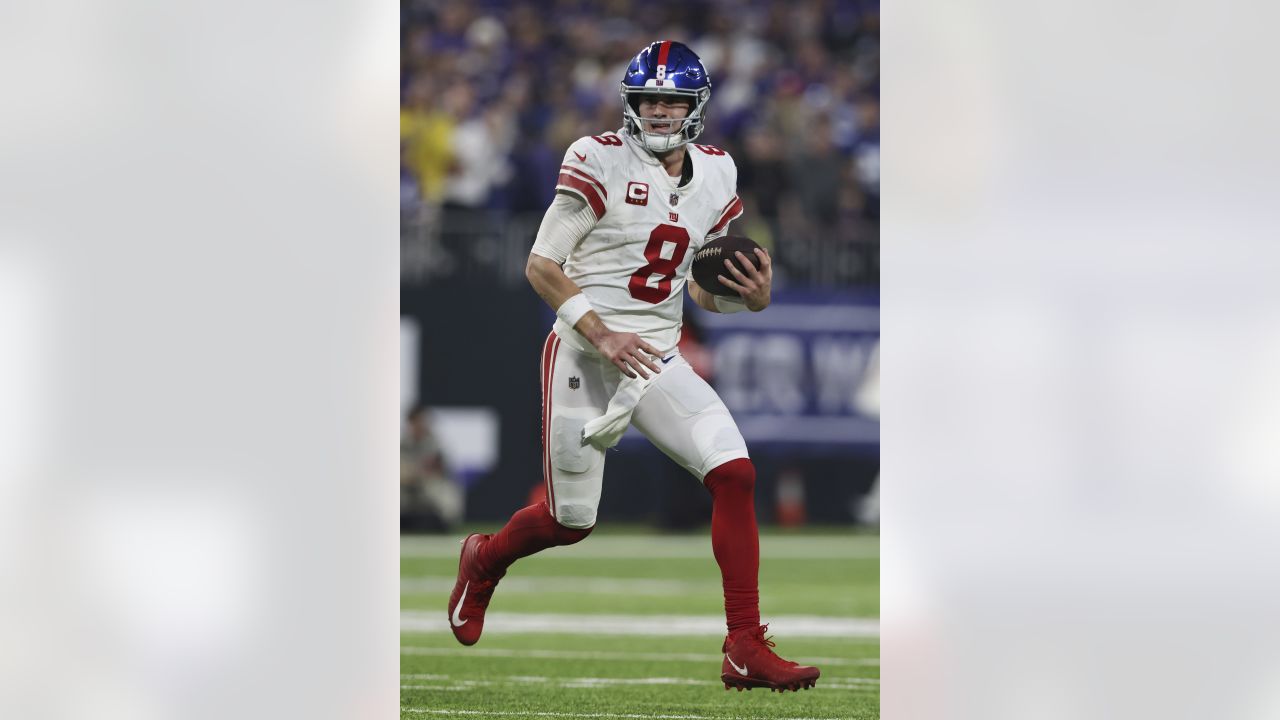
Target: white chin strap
[
  {"x": 662, "y": 142},
  {"x": 685, "y": 130}
]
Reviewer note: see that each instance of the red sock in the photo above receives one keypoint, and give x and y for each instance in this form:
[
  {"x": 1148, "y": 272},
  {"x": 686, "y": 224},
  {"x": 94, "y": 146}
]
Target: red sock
[
  {"x": 530, "y": 530},
  {"x": 735, "y": 540}
]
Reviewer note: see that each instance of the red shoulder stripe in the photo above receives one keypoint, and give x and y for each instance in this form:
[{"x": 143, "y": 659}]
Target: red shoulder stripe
[
  {"x": 585, "y": 189},
  {"x": 585, "y": 176}
]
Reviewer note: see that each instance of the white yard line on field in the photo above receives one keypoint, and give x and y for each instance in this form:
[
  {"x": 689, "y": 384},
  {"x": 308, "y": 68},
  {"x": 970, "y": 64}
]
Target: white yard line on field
[
  {"x": 860, "y": 684},
  {"x": 600, "y": 655},
  {"x": 664, "y": 547},
  {"x": 576, "y": 584},
  {"x": 452, "y": 688},
  {"x": 530, "y": 713},
  {"x": 683, "y": 625}
]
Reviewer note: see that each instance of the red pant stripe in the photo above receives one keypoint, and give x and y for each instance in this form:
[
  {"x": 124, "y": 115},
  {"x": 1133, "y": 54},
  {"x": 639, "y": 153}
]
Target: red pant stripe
[
  {"x": 547, "y": 351},
  {"x": 548, "y": 374}
]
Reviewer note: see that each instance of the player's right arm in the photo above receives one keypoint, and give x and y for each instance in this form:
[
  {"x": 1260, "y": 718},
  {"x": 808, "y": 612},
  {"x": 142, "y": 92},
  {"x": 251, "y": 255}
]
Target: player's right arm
[{"x": 567, "y": 221}]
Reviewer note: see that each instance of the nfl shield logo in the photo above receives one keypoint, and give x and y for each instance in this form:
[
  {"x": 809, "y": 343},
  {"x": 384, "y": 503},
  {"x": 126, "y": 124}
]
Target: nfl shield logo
[
  {"x": 573, "y": 383},
  {"x": 674, "y": 199}
]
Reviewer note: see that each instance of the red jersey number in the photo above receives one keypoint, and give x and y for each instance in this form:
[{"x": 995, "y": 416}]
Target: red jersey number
[
  {"x": 657, "y": 265},
  {"x": 710, "y": 149},
  {"x": 610, "y": 140}
]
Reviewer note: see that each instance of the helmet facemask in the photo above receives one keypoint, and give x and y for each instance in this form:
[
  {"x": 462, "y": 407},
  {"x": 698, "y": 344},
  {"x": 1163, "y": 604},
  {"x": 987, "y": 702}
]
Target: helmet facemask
[{"x": 687, "y": 128}]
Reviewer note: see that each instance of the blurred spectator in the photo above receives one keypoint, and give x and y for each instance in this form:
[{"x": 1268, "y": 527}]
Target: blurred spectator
[
  {"x": 429, "y": 498},
  {"x": 426, "y": 136},
  {"x": 762, "y": 168},
  {"x": 410, "y": 188},
  {"x": 481, "y": 143},
  {"x": 816, "y": 173}
]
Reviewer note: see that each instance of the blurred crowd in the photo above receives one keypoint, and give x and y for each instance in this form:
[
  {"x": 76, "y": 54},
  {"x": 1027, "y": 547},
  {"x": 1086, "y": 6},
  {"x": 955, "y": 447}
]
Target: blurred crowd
[
  {"x": 492, "y": 93},
  {"x": 430, "y": 497}
]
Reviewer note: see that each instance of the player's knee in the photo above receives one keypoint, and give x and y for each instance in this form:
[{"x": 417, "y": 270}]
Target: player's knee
[
  {"x": 575, "y": 521},
  {"x": 736, "y": 476},
  {"x": 571, "y": 523}
]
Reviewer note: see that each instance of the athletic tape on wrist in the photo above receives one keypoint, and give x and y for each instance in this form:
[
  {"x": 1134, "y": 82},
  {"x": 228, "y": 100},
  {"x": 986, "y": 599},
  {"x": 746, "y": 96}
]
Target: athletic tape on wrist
[
  {"x": 728, "y": 304},
  {"x": 572, "y": 310}
]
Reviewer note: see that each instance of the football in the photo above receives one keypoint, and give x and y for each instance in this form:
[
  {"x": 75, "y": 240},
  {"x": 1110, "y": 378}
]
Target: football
[{"x": 708, "y": 262}]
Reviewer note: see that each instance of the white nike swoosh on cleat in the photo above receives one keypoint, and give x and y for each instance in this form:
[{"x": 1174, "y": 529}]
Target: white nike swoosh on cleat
[
  {"x": 457, "y": 610},
  {"x": 741, "y": 670}
]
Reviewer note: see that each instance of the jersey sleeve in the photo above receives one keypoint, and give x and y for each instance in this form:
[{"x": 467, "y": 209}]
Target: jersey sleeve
[
  {"x": 565, "y": 223},
  {"x": 582, "y": 173},
  {"x": 732, "y": 208}
]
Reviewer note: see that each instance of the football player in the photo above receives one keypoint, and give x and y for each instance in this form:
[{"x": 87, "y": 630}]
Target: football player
[{"x": 612, "y": 257}]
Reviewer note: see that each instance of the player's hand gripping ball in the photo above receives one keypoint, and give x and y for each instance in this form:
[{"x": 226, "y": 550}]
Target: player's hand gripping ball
[{"x": 709, "y": 262}]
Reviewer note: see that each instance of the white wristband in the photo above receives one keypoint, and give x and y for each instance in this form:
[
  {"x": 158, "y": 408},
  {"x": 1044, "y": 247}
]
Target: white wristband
[
  {"x": 729, "y": 304},
  {"x": 572, "y": 310}
]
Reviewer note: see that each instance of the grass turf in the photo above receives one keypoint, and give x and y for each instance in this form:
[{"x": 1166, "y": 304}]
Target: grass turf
[{"x": 554, "y": 675}]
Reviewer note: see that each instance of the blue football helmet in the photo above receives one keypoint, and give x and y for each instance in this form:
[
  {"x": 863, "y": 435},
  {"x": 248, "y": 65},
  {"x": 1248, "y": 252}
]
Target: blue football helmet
[{"x": 665, "y": 68}]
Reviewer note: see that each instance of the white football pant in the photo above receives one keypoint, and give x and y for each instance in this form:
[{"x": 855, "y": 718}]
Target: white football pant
[{"x": 681, "y": 414}]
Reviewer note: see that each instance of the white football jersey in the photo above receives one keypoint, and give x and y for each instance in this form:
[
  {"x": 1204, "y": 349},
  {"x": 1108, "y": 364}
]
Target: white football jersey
[{"x": 634, "y": 263}]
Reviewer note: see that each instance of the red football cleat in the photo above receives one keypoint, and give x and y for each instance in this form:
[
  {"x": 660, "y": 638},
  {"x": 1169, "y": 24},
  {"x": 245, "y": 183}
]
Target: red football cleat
[
  {"x": 748, "y": 662},
  {"x": 471, "y": 594}
]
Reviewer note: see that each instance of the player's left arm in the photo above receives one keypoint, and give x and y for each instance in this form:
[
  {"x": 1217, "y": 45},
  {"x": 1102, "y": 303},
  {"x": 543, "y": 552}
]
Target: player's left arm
[
  {"x": 704, "y": 299},
  {"x": 753, "y": 285}
]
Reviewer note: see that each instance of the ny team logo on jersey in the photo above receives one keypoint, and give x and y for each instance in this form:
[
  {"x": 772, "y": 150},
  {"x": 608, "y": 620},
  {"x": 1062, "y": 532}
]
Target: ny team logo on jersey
[{"x": 637, "y": 193}]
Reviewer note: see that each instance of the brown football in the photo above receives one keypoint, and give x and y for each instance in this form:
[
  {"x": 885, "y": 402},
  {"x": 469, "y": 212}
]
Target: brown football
[{"x": 708, "y": 262}]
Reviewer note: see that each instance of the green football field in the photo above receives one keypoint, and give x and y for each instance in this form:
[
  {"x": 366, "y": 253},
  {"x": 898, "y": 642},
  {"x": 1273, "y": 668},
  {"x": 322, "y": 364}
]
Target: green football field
[{"x": 628, "y": 624}]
